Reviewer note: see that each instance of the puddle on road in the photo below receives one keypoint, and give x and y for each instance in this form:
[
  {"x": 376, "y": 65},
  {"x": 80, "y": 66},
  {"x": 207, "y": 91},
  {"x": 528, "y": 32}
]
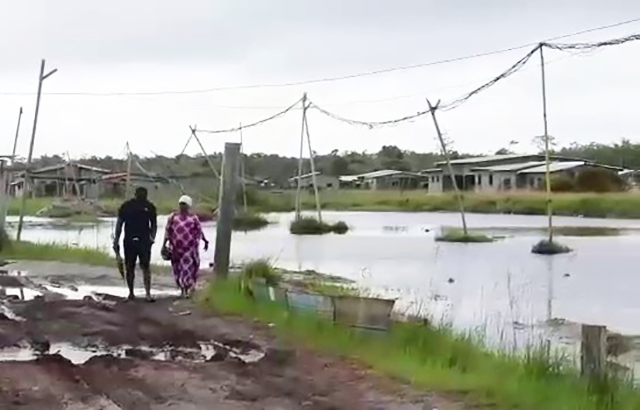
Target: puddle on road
[{"x": 209, "y": 351}]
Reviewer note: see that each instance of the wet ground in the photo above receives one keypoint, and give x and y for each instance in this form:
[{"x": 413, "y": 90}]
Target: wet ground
[{"x": 68, "y": 341}]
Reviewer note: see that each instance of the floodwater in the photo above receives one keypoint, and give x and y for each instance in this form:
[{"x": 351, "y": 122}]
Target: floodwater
[{"x": 499, "y": 288}]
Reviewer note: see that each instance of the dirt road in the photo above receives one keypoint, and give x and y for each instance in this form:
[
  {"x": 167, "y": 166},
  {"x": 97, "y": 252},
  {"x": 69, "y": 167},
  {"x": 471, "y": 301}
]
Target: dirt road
[{"x": 57, "y": 352}]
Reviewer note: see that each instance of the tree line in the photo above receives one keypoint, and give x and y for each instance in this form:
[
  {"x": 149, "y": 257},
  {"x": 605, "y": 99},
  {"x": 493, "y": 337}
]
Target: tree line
[{"x": 278, "y": 169}]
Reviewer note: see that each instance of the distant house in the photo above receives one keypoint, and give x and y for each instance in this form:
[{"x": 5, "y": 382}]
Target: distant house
[
  {"x": 384, "y": 179},
  {"x": 115, "y": 184},
  {"x": 70, "y": 178},
  {"x": 323, "y": 181},
  {"x": 503, "y": 172}
]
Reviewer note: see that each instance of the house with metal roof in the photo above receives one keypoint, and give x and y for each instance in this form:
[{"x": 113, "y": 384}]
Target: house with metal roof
[
  {"x": 503, "y": 172},
  {"x": 384, "y": 179}
]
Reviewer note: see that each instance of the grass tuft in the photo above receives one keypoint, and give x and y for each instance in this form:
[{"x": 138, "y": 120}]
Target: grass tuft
[
  {"x": 248, "y": 221},
  {"x": 311, "y": 226},
  {"x": 56, "y": 252},
  {"x": 545, "y": 247},
  {"x": 459, "y": 236}
]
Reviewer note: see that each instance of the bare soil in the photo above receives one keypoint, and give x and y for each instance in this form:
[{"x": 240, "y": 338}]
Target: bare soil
[{"x": 285, "y": 377}]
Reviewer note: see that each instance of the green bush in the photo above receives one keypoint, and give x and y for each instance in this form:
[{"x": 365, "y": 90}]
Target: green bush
[
  {"x": 546, "y": 247},
  {"x": 599, "y": 180},
  {"x": 563, "y": 183},
  {"x": 248, "y": 221},
  {"x": 311, "y": 226}
]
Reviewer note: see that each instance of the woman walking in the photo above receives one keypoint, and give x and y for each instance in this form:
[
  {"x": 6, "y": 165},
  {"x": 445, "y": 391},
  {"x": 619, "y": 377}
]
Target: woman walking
[{"x": 181, "y": 244}]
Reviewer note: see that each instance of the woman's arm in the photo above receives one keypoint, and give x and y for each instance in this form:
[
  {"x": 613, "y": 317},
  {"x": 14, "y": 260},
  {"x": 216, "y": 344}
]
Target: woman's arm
[
  {"x": 168, "y": 231},
  {"x": 200, "y": 234}
]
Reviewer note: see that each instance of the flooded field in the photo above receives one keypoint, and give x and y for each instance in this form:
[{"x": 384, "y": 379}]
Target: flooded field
[{"x": 498, "y": 287}]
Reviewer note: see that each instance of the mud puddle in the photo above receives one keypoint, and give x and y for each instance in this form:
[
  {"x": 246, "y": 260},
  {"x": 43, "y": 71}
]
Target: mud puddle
[{"x": 206, "y": 352}]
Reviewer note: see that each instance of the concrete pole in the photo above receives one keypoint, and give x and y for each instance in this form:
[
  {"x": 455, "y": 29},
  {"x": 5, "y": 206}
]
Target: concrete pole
[
  {"x": 127, "y": 190},
  {"x": 227, "y": 208},
  {"x": 27, "y": 173},
  {"x": 3, "y": 191}
]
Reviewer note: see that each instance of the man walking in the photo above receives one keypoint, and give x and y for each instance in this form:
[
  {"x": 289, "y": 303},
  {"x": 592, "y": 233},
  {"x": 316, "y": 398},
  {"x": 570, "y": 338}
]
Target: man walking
[{"x": 139, "y": 217}]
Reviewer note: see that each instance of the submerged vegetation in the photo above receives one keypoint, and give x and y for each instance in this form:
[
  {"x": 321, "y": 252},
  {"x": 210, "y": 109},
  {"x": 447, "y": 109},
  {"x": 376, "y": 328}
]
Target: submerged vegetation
[
  {"x": 438, "y": 358},
  {"x": 455, "y": 235},
  {"x": 249, "y": 221},
  {"x": 546, "y": 247},
  {"x": 312, "y": 226}
]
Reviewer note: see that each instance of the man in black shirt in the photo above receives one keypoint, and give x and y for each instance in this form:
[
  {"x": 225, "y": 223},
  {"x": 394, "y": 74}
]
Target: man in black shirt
[{"x": 139, "y": 218}]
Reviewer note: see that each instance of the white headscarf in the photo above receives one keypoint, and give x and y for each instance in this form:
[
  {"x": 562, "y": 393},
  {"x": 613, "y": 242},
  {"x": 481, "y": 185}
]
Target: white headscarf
[{"x": 185, "y": 199}]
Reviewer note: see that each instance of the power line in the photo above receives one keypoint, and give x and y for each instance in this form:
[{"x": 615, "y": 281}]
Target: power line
[
  {"x": 338, "y": 78},
  {"x": 253, "y": 124}
]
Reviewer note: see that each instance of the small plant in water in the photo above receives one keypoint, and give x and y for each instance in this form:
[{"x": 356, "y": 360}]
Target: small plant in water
[
  {"x": 312, "y": 226},
  {"x": 248, "y": 221},
  {"x": 546, "y": 247},
  {"x": 461, "y": 237}
]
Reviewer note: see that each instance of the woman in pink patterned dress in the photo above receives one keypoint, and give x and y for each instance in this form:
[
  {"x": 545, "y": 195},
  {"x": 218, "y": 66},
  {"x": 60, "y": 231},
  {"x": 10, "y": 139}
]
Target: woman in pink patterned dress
[{"x": 182, "y": 237}]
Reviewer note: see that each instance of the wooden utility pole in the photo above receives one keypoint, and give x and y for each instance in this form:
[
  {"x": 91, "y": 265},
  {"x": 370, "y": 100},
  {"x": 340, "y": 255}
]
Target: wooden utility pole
[
  {"x": 313, "y": 166},
  {"x": 15, "y": 140},
  {"x": 6, "y": 177},
  {"x": 127, "y": 192},
  {"x": 204, "y": 152},
  {"x": 546, "y": 148},
  {"x": 445, "y": 152},
  {"x": 242, "y": 172},
  {"x": 227, "y": 207},
  {"x": 27, "y": 173},
  {"x": 593, "y": 354},
  {"x": 299, "y": 185}
]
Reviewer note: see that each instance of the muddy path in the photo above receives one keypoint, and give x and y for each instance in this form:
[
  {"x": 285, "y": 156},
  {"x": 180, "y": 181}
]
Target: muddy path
[{"x": 62, "y": 347}]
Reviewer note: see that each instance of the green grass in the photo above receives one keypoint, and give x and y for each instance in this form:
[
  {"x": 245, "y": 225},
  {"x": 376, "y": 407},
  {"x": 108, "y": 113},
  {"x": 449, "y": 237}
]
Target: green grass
[
  {"x": 436, "y": 359},
  {"x": 249, "y": 221},
  {"x": 586, "y": 231},
  {"x": 312, "y": 226},
  {"x": 458, "y": 236},
  {"x": 56, "y": 252},
  {"x": 608, "y": 205}
]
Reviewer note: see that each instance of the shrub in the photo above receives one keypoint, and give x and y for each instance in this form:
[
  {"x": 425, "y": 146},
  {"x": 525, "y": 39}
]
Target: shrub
[
  {"x": 546, "y": 247},
  {"x": 311, "y": 226},
  {"x": 563, "y": 183},
  {"x": 4, "y": 239},
  {"x": 256, "y": 270},
  {"x": 248, "y": 221},
  {"x": 599, "y": 180}
]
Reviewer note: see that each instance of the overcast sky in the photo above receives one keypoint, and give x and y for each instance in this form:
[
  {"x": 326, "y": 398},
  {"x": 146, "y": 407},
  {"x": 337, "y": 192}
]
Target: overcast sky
[{"x": 163, "y": 45}]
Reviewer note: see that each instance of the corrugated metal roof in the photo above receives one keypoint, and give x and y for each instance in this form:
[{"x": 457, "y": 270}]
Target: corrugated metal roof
[
  {"x": 305, "y": 176},
  {"x": 479, "y": 160},
  {"x": 553, "y": 167},
  {"x": 510, "y": 167}
]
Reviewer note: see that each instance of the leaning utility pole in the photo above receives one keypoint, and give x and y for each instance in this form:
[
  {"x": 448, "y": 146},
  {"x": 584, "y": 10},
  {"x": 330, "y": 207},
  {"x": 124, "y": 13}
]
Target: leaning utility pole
[
  {"x": 299, "y": 185},
  {"x": 15, "y": 140},
  {"x": 445, "y": 152},
  {"x": 227, "y": 208},
  {"x": 27, "y": 173},
  {"x": 127, "y": 190},
  {"x": 313, "y": 167},
  {"x": 243, "y": 175},
  {"x": 6, "y": 177},
  {"x": 546, "y": 147}
]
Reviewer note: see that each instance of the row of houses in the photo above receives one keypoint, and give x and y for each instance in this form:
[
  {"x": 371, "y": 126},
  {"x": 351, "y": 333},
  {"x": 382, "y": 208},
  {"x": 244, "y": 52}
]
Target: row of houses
[{"x": 479, "y": 174}]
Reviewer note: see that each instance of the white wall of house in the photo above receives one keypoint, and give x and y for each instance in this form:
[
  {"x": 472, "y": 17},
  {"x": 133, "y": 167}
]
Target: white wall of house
[
  {"x": 323, "y": 181},
  {"x": 435, "y": 183}
]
